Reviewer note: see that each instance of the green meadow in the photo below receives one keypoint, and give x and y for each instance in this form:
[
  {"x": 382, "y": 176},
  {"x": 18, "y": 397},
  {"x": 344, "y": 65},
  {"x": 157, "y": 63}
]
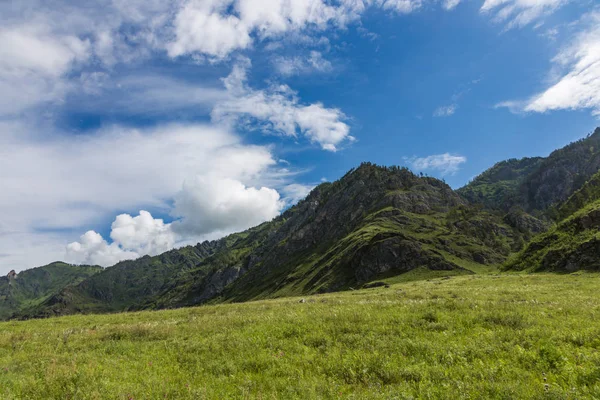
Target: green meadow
[{"x": 491, "y": 336}]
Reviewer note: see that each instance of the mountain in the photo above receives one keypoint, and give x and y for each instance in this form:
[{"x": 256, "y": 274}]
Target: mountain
[
  {"x": 374, "y": 222},
  {"x": 124, "y": 286},
  {"x": 33, "y": 286},
  {"x": 574, "y": 243},
  {"x": 537, "y": 185},
  {"x": 500, "y": 186}
]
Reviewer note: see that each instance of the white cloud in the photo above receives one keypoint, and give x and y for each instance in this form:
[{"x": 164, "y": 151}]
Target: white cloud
[
  {"x": 400, "y": 6},
  {"x": 202, "y": 26},
  {"x": 518, "y": 13},
  {"x": 207, "y": 207},
  {"x": 143, "y": 94},
  {"x": 295, "y": 192},
  {"x": 142, "y": 234},
  {"x": 450, "y": 4},
  {"x": 66, "y": 183},
  {"x": 92, "y": 249},
  {"x": 446, "y": 164},
  {"x": 42, "y": 43},
  {"x": 209, "y": 28},
  {"x": 33, "y": 63},
  {"x": 578, "y": 87},
  {"x": 132, "y": 237},
  {"x": 278, "y": 110},
  {"x": 288, "y": 66},
  {"x": 445, "y": 111},
  {"x": 209, "y": 204}
]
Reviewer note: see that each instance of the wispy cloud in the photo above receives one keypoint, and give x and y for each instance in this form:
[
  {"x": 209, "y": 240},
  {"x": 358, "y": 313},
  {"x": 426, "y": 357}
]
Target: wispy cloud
[
  {"x": 445, "y": 111},
  {"x": 315, "y": 62},
  {"x": 578, "y": 87},
  {"x": 445, "y": 164},
  {"x": 518, "y": 13}
]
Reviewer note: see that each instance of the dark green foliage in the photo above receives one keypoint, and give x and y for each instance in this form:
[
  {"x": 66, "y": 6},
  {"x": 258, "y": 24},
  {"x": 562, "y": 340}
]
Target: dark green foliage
[
  {"x": 499, "y": 186},
  {"x": 33, "y": 286},
  {"x": 574, "y": 243},
  {"x": 588, "y": 193},
  {"x": 537, "y": 184},
  {"x": 127, "y": 285}
]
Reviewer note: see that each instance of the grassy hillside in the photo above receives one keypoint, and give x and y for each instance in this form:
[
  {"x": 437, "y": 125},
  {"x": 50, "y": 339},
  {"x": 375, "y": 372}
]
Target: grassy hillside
[
  {"x": 498, "y": 187},
  {"x": 574, "y": 243},
  {"x": 462, "y": 337},
  {"x": 31, "y": 287}
]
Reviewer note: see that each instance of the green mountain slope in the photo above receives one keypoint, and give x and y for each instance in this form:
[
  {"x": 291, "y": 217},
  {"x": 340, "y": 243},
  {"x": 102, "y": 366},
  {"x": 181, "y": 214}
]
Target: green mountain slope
[
  {"x": 537, "y": 185},
  {"x": 125, "y": 285},
  {"x": 373, "y": 223},
  {"x": 499, "y": 187},
  {"x": 574, "y": 243},
  {"x": 33, "y": 286}
]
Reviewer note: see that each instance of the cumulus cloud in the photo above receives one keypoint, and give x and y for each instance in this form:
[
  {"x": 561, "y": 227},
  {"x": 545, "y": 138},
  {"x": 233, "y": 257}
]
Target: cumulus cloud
[
  {"x": 206, "y": 207},
  {"x": 400, "y": 6},
  {"x": 445, "y": 164},
  {"x": 210, "y": 28},
  {"x": 279, "y": 111},
  {"x": 142, "y": 234},
  {"x": 131, "y": 237},
  {"x": 209, "y": 204},
  {"x": 518, "y": 13},
  {"x": 92, "y": 249}
]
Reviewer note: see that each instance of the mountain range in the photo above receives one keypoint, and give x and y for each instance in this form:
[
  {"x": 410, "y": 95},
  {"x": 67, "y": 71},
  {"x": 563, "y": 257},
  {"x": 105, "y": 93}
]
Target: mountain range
[{"x": 375, "y": 222}]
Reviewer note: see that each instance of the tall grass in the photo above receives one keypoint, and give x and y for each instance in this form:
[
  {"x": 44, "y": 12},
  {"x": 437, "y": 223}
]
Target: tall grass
[{"x": 464, "y": 337}]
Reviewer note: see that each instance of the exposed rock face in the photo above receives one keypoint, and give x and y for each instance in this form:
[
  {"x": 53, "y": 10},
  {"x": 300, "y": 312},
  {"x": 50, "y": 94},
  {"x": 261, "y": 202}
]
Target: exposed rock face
[
  {"x": 525, "y": 222},
  {"x": 585, "y": 256},
  {"x": 395, "y": 254}
]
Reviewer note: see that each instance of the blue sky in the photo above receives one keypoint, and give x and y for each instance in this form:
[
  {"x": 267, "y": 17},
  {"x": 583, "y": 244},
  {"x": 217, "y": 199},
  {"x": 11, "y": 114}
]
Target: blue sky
[{"x": 131, "y": 127}]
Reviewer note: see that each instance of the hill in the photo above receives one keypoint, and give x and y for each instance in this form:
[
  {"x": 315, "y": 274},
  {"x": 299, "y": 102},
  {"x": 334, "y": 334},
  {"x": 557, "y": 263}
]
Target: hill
[
  {"x": 31, "y": 287},
  {"x": 574, "y": 243},
  {"x": 537, "y": 184},
  {"x": 372, "y": 223},
  {"x": 507, "y": 336}
]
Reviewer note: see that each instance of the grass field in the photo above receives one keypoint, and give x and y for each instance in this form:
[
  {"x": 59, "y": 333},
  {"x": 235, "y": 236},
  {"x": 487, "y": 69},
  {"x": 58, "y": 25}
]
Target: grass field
[{"x": 480, "y": 336}]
